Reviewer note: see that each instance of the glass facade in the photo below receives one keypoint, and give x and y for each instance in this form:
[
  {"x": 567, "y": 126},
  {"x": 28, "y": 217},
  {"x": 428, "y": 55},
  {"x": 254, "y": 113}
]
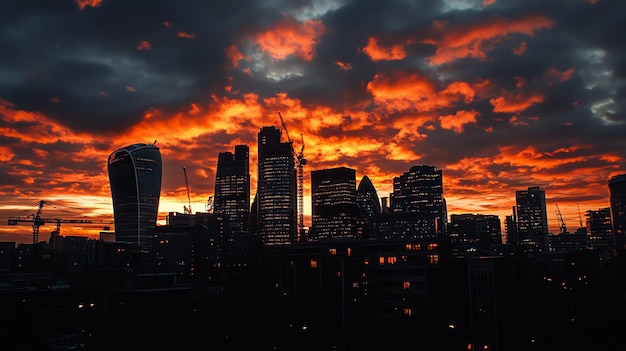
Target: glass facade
[
  {"x": 232, "y": 189},
  {"x": 135, "y": 173},
  {"x": 532, "y": 219},
  {"x": 334, "y": 210},
  {"x": 276, "y": 189}
]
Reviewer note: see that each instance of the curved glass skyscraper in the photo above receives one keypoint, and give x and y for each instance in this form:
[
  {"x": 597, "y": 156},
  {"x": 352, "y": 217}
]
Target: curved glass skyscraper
[{"x": 135, "y": 173}]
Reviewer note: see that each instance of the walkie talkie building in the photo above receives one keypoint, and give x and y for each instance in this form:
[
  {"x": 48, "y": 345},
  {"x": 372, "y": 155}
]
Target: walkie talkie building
[{"x": 135, "y": 173}]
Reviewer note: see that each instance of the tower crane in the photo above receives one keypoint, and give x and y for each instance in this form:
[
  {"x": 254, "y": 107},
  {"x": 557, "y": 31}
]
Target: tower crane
[
  {"x": 300, "y": 162},
  {"x": 187, "y": 209},
  {"x": 561, "y": 221},
  {"x": 37, "y": 221}
]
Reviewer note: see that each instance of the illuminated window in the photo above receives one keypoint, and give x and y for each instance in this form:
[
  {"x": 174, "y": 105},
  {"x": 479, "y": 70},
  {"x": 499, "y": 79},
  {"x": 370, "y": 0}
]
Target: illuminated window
[
  {"x": 432, "y": 246},
  {"x": 434, "y": 259},
  {"x": 413, "y": 247},
  {"x": 406, "y": 285},
  {"x": 333, "y": 251},
  {"x": 391, "y": 260},
  {"x": 408, "y": 312},
  {"x": 381, "y": 260},
  {"x": 313, "y": 264},
  {"x": 349, "y": 251}
]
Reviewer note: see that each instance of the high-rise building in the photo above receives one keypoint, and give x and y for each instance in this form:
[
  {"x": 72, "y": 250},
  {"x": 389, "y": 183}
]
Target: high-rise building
[
  {"x": 475, "y": 233},
  {"x": 276, "y": 189},
  {"x": 419, "y": 193},
  {"x": 617, "y": 197},
  {"x": 135, "y": 173},
  {"x": 333, "y": 203},
  {"x": 232, "y": 189},
  {"x": 368, "y": 205},
  {"x": 600, "y": 230},
  {"x": 532, "y": 219}
]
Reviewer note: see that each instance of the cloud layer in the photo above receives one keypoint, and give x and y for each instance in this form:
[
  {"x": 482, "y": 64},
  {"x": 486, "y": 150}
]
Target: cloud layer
[{"x": 499, "y": 95}]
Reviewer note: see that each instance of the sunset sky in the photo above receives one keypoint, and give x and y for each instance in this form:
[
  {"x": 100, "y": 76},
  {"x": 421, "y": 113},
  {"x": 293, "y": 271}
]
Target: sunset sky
[{"x": 499, "y": 95}]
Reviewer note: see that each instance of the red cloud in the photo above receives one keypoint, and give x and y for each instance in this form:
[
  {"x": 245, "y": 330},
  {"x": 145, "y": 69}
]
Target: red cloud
[
  {"x": 553, "y": 75},
  {"x": 456, "y": 121},
  {"x": 289, "y": 37},
  {"x": 477, "y": 40},
  {"x": 379, "y": 53},
  {"x": 514, "y": 104},
  {"x": 144, "y": 45},
  {"x": 84, "y": 3}
]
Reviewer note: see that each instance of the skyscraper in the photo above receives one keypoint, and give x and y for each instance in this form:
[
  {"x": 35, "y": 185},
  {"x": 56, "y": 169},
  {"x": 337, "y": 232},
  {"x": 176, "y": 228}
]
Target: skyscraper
[
  {"x": 419, "y": 193},
  {"x": 333, "y": 209},
  {"x": 368, "y": 205},
  {"x": 532, "y": 219},
  {"x": 276, "y": 189},
  {"x": 617, "y": 197},
  {"x": 232, "y": 189},
  {"x": 135, "y": 173}
]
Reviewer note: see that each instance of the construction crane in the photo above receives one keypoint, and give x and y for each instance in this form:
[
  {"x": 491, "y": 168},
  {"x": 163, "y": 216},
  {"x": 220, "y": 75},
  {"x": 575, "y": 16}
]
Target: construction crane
[
  {"x": 300, "y": 162},
  {"x": 187, "y": 209},
  {"x": 37, "y": 221},
  {"x": 561, "y": 221}
]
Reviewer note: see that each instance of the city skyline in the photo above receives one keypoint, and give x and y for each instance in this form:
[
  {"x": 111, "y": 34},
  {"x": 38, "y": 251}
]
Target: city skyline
[{"x": 500, "y": 96}]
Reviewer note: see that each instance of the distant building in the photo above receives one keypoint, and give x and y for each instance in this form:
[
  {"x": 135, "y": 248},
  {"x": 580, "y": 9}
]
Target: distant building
[
  {"x": 600, "y": 230},
  {"x": 276, "y": 189},
  {"x": 232, "y": 189},
  {"x": 532, "y": 219},
  {"x": 334, "y": 208},
  {"x": 417, "y": 203},
  {"x": 617, "y": 197},
  {"x": 475, "y": 234},
  {"x": 135, "y": 173},
  {"x": 368, "y": 205}
]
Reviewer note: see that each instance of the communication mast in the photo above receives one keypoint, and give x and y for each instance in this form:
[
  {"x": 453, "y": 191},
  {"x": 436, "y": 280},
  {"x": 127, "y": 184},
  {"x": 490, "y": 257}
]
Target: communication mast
[
  {"x": 300, "y": 162},
  {"x": 187, "y": 209}
]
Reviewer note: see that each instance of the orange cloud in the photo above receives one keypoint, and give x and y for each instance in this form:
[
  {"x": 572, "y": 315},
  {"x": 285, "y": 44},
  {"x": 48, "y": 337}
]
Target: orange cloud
[
  {"x": 187, "y": 35},
  {"x": 476, "y": 41},
  {"x": 84, "y": 3},
  {"x": 379, "y": 53},
  {"x": 234, "y": 55},
  {"x": 553, "y": 75},
  {"x": 344, "y": 66},
  {"x": 144, "y": 45},
  {"x": 456, "y": 121},
  {"x": 402, "y": 91},
  {"x": 514, "y": 104},
  {"x": 129, "y": 88},
  {"x": 289, "y": 37}
]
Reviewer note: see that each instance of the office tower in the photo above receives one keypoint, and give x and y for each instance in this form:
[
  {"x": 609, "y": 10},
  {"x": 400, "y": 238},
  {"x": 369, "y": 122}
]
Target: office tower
[
  {"x": 333, "y": 208},
  {"x": 276, "y": 189},
  {"x": 475, "y": 233},
  {"x": 532, "y": 219},
  {"x": 232, "y": 189},
  {"x": 368, "y": 205},
  {"x": 135, "y": 173},
  {"x": 600, "y": 230},
  {"x": 419, "y": 194},
  {"x": 617, "y": 197}
]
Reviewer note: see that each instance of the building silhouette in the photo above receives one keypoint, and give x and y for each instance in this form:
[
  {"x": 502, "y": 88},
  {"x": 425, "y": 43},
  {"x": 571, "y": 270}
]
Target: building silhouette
[
  {"x": 600, "y": 231},
  {"x": 532, "y": 219},
  {"x": 275, "y": 199},
  {"x": 418, "y": 198},
  {"x": 232, "y": 189},
  {"x": 617, "y": 198},
  {"x": 334, "y": 207},
  {"x": 368, "y": 205},
  {"x": 475, "y": 234},
  {"x": 135, "y": 173}
]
